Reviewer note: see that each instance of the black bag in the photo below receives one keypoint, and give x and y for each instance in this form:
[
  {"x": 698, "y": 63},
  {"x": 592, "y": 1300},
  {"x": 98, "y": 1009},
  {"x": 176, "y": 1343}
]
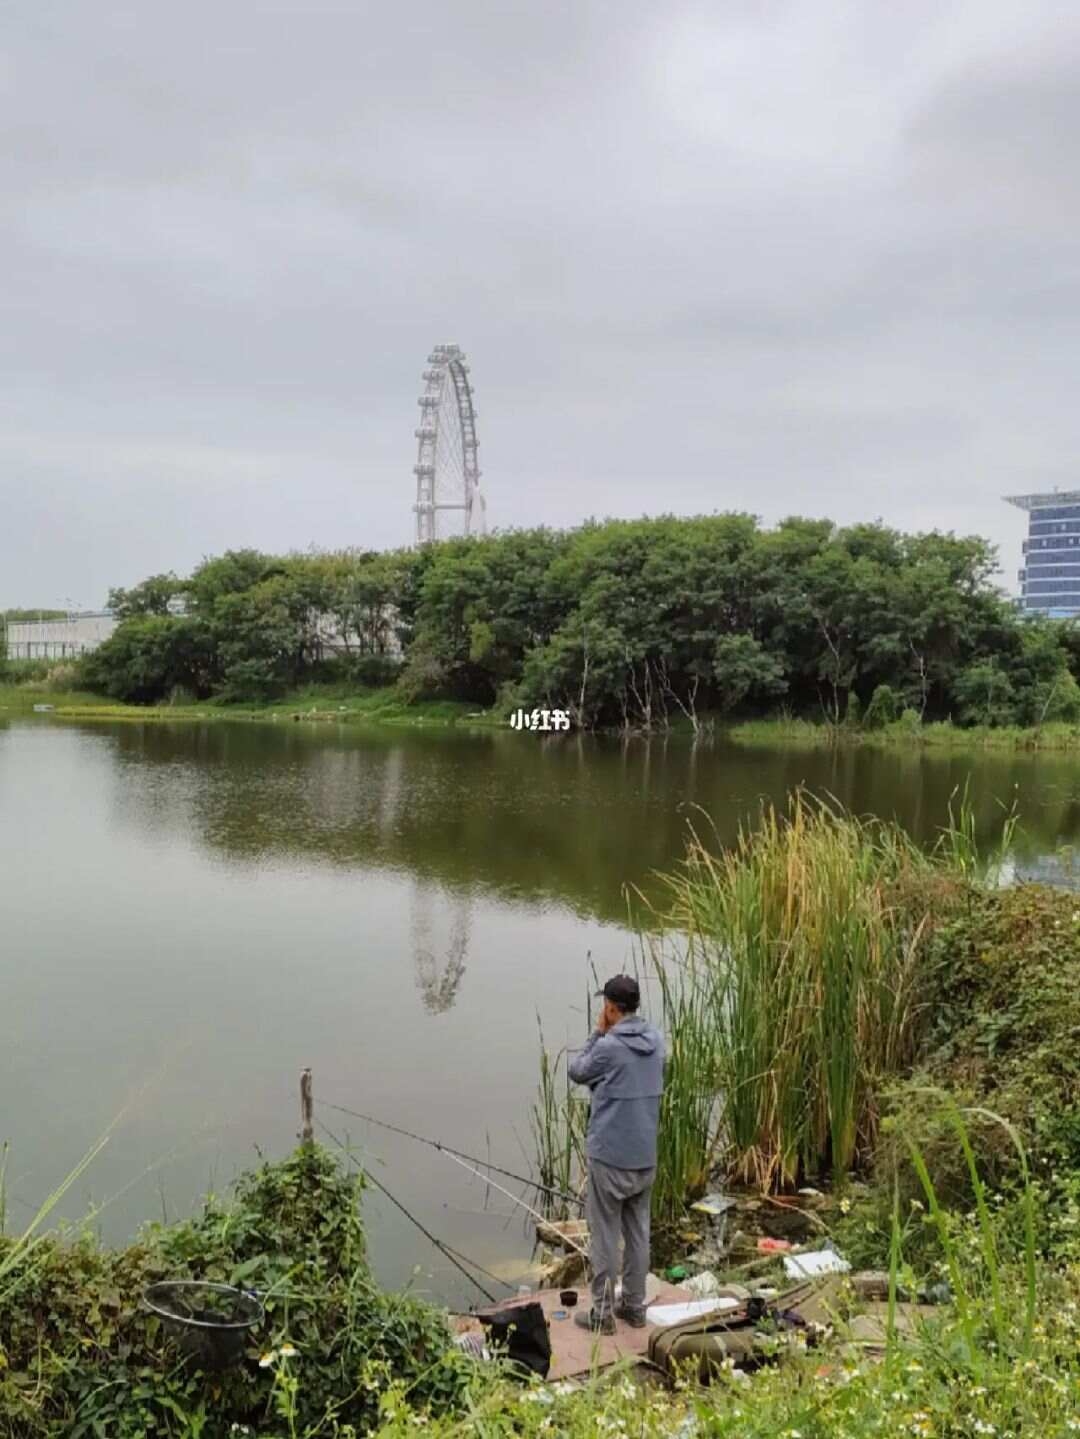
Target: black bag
[{"x": 520, "y": 1332}]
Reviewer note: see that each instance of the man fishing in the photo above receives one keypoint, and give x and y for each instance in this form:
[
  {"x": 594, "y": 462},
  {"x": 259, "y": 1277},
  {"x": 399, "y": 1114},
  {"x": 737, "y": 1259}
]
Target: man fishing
[{"x": 623, "y": 1066}]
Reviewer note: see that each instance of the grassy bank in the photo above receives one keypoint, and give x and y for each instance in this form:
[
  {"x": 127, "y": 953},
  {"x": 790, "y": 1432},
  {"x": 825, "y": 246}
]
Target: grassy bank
[
  {"x": 326, "y": 704},
  {"x": 344, "y": 703},
  {"x": 80, "y": 1354},
  {"x": 785, "y": 731},
  {"x": 338, "y": 1357}
]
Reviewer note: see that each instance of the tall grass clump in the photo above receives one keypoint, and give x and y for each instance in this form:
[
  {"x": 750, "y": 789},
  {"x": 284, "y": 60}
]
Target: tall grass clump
[
  {"x": 803, "y": 944},
  {"x": 690, "y": 1130},
  {"x": 559, "y": 1119},
  {"x": 791, "y": 974}
]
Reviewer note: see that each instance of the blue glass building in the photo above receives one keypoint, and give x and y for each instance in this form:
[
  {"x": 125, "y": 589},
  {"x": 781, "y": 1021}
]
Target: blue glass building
[{"x": 1050, "y": 579}]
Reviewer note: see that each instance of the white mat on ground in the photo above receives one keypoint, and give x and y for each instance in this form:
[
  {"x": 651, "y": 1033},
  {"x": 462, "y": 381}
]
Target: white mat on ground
[
  {"x": 663, "y": 1314},
  {"x": 818, "y": 1261}
]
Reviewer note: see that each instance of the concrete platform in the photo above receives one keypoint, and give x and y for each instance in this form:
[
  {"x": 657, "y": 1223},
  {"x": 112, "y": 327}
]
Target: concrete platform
[{"x": 574, "y": 1351}]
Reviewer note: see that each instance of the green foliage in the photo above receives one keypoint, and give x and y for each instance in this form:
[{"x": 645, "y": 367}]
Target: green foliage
[
  {"x": 154, "y": 596},
  {"x": 251, "y": 626},
  {"x": 985, "y": 694},
  {"x": 807, "y": 939},
  {"x": 790, "y": 971},
  {"x": 559, "y": 1122},
  {"x": 147, "y": 657},
  {"x": 28, "y": 672},
  {"x": 635, "y": 624},
  {"x": 1006, "y": 1022},
  {"x": 80, "y": 1355},
  {"x": 883, "y": 708},
  {"x": 741, "y": 667}
]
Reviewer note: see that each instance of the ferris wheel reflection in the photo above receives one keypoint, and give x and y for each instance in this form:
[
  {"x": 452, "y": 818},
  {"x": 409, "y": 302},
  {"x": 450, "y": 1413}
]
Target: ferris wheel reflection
[{"x": 439, "y": 950}]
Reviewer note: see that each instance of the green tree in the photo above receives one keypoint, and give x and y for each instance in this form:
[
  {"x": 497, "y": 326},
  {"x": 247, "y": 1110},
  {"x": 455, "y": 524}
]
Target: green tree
[
  {"x": 985, "y": 694},
  {"x": 632, "y": 623},
  {"x": 149, "y": 656},
  {"x": 154, "y": 596},
  {"x": 883, "y": 708},
  {"x": 231, "y": 573},
  {"x": 743, "y": 668}
]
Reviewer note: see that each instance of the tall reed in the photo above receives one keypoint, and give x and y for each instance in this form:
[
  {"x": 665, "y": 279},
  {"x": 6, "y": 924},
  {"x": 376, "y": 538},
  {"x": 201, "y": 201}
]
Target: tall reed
[
  {"x": 806, "y": 938},
  {"x": 689, "y": 1130},
  {"x": 558, "y": 1118},
  {"x": 789, "y": 974}
]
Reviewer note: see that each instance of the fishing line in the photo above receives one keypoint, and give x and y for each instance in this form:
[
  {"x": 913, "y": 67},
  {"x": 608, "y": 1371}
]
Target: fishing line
[
  {"x": 443, "y": 1248},
  {"x": 447, "y": 1149}
]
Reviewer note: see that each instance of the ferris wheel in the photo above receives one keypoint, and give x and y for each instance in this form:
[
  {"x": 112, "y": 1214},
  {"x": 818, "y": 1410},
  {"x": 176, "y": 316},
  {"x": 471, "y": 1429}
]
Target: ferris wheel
[{"x": 446, "y": 469}]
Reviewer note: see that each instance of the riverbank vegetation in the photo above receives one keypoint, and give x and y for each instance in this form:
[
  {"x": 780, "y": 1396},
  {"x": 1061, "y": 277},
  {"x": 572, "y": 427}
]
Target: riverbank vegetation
[
  {"x": 789, "y": 732},
  {"x": 637, "y": 625},
  {"x": 822, "y": 984},
  {"x": 80, "y": 1354},
  {"x": 314, "y": 703},
  {"x": 343, "y": 701},
  {"x": 894, "y": 1028},
  {"x": 842, "y": 1009}
]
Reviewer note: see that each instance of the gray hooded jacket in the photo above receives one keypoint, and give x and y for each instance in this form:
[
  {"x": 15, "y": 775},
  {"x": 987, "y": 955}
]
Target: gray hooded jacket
[{"x": 624, "y": 1068}]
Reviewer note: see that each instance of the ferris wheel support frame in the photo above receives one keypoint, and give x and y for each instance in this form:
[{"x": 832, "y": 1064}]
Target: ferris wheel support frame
[{"x": 446, "y": 367}]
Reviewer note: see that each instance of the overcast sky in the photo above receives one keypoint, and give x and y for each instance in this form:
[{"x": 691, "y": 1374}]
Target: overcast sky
[{"x": 813, "y": 257}]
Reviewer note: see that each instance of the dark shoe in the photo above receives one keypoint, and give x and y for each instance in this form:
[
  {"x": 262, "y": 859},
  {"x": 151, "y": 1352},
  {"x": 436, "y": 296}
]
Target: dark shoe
[
  {"x": 630, "y": 1315},
  {"x": 587, "y": 1319}
]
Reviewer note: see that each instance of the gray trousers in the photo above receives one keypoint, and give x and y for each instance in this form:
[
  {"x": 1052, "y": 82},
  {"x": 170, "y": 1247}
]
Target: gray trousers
[{"x": 617, "y": 1207}]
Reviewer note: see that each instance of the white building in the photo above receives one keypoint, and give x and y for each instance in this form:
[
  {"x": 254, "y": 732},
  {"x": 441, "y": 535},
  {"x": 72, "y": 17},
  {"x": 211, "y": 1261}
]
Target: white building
[{"x": 61, "y": 639}]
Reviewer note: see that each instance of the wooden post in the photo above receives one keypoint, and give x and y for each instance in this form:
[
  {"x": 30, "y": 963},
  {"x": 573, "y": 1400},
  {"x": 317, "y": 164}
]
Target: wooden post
[{"x": 307, "y": 1132}]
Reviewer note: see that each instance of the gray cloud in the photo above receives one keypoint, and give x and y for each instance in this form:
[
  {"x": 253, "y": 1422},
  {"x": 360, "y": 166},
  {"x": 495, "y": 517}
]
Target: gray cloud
[{"x": 813, "y": 256}]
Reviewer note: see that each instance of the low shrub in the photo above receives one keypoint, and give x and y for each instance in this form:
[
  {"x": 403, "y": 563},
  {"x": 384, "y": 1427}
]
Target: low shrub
[
  {"x": 62, "y": 677},
  {"x": 1003, "y": 1039},
  {"x": 81, "y": 1356},
  {"x": 883, "y": 709},
  {"x": 27, "y": 672}
]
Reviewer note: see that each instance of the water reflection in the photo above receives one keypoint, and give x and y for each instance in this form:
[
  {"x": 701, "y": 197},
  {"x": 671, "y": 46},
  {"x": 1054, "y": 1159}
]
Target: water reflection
[
  {"x": 438, "y": 975},
  {"x": 575, "y": 821},
  {"x": 1061, "y": 869}
]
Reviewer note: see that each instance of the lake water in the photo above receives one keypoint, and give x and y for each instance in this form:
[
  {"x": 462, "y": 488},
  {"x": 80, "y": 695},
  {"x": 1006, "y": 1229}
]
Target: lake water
[{"x": 192, "y": 913}]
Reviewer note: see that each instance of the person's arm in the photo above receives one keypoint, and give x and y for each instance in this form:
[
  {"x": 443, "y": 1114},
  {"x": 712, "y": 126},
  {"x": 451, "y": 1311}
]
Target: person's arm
[{"x": 591, "y": 1063}]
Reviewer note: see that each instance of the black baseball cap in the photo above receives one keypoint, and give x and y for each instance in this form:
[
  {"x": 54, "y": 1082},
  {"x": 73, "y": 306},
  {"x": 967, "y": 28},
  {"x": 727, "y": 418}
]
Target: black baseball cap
[{"x": 623, "y": 990}]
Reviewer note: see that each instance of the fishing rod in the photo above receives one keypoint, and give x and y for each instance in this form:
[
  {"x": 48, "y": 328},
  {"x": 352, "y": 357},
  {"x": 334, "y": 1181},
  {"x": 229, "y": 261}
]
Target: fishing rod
[
  {"x": 565, "y": 1238},
  {"x": 447, "y": 1149},
  {"x": 438, "y": 1243}
]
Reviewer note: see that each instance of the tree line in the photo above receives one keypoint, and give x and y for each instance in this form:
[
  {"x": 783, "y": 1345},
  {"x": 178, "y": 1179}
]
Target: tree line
[{"x": 630, "y": 624}]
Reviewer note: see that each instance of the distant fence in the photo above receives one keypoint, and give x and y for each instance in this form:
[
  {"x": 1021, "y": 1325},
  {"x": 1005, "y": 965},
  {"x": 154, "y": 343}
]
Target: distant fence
[
  {"x": 60, "y": 639},
  {"x": 77, "y": 634}
]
